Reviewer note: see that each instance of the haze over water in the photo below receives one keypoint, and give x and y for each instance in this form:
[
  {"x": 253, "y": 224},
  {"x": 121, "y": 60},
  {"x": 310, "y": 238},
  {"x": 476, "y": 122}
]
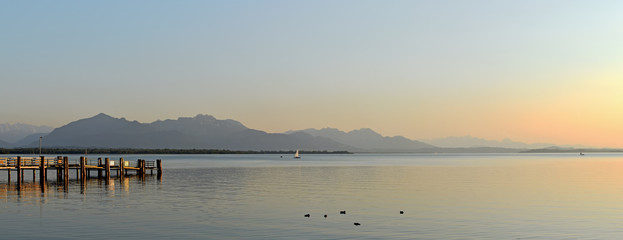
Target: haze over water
[{"x": 476, "y": 196}]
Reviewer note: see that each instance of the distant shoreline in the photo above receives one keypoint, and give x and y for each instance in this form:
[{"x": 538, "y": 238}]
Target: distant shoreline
[
  {"x": 51, "y": 151},
  {"x": 574, "y": 150},
  {"x": 48, "y": 151}
]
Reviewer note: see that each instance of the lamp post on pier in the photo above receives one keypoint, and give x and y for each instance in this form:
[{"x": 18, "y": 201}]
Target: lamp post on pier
[{"x": 40, "y": 139}]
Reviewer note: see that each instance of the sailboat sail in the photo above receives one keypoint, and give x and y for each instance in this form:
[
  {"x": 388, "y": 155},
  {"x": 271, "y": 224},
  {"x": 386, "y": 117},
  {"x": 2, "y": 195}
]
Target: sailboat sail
[{"x": 296, "y": 155}]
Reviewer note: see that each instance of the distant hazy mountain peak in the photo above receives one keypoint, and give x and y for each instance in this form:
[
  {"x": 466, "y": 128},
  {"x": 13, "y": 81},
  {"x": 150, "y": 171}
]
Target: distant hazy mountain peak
[
  {"x": 327, "y": 129},
  {"x": 12, "y": 133},
  {"x": 365, "y": 132},
  {"x": 468, "y": 141},
  {"x": 4, "y": 144},
  {"x": 204, "y": 118},
  {"x": 366, "y": 139},
  {"x": 200, "y": 125},
  {"x": 199, "y": 118},
  {"x": 102, "y": 115},
  {"x": 6, "y": 127}
]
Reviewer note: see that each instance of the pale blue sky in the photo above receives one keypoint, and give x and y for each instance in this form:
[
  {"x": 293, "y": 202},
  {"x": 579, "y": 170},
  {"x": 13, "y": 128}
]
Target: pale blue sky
[{"x": 422, "y": 69}]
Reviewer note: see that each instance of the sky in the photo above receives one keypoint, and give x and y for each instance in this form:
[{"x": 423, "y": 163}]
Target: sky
[{"x": 532, "y": 71}]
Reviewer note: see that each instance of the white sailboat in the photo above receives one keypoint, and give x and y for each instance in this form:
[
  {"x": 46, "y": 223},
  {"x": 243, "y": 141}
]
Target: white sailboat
[{"x": 296, "y": 154}]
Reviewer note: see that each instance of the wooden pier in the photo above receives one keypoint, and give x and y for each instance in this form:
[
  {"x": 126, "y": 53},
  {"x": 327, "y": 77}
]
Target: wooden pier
[{"x": 83, "y": 167}]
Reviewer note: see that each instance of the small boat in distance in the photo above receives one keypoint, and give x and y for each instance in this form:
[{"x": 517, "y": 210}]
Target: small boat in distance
[
  {"x": 296, "y": 154},
  {"x": 581, "y": 154}
]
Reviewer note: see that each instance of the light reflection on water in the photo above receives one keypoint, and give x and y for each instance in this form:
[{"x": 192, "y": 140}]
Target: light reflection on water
[{"x": 486, "y": 196}]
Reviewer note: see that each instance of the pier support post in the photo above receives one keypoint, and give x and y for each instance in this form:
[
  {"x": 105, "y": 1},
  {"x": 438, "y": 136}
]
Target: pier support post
[
  {"x": 86, "y": 172},
  {"x": 47, "y": 165},
  {"x": 138, "y": 172},
  {"x": 66, "y": 168},
  {"x": 159, "y": 166},
  {"x": 107, "y": 170},
  {"x": 59, "y": 172},
  {"x": 66, "y": 173},
  {"x": 20, "y": 175},
  {"x": 42, "y": 172},
  {"x": 121, "y": 166},
  {"x": 143, "y": 167},
  {"x": 82, "y": 167},
  {"x": 99, "y": 170}
]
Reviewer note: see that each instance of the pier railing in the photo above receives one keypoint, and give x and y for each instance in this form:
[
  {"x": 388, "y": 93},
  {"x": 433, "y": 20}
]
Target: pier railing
[
  {"x": 29, "y": 161},
  {"x": 51, "y": 161},
  {"x": 82, "y": 167}
]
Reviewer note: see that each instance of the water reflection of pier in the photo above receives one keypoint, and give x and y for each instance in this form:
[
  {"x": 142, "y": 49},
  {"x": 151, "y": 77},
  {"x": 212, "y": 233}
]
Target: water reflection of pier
[
  {"x": 34, "y": 191},
  {"x": 84, "y": 168}
]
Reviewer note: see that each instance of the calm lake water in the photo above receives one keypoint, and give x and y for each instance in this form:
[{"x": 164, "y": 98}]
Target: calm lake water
[{"x": 473, "y": 196}]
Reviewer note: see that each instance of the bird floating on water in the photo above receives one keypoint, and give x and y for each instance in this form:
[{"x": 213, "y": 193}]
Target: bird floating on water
[
  {"x": 306, "y": 215},
  {"x": 342, "y": 212},
  {"x": 357, "y": 224}
]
